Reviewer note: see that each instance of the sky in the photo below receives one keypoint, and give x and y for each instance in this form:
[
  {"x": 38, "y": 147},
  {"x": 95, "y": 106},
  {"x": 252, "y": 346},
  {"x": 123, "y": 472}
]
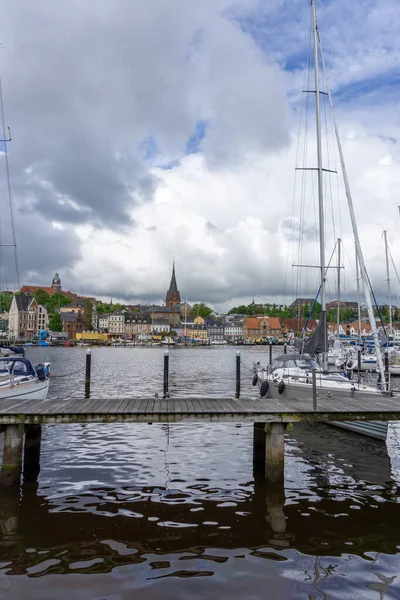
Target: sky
[{"x": 143, "y": 131}]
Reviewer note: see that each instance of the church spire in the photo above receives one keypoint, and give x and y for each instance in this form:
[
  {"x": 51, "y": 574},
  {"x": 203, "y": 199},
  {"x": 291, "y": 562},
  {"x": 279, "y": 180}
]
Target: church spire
[{"x": 173, "y": 296}]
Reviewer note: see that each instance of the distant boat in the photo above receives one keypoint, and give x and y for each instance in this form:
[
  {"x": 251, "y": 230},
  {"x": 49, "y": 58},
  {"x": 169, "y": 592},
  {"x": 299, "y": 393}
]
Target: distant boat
[
  {"x": 168, "y": 341},
  {"x": 218, "y": 342}
]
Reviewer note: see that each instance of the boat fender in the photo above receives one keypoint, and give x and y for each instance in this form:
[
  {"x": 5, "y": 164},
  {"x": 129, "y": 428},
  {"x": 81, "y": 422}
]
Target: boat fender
[
  {"x": 40, "y": 372},
  {"x": 281, "y": 387},
  {"x": 255, "y": 379},
  {"x": 264, "y": 388}
]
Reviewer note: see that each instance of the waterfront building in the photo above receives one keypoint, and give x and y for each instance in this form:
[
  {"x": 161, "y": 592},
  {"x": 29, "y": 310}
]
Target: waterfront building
[
  {"x": 160, "y": 326},
  {"x": 261, "y": 327},
  {"x": 300, "y": 305},
  {"x": 116, "y": 324},
  {"x": 137, "y": 324},
  {"x": 171, "y": 313},
  {"x": 26, "y": 318},
  {"x": 104, "y": 321},
  {"x": 233, "y": 331},
  {"x": 215, "y": 329},
  {"x": 72, "y": 323}
]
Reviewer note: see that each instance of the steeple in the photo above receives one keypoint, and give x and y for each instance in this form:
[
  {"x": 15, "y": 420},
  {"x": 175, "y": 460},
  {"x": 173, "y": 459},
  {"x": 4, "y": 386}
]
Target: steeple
[{"x": 173, "y": 296}]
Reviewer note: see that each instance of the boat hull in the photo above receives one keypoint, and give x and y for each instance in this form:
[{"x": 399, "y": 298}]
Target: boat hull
[{"x": 31, "y": 390}]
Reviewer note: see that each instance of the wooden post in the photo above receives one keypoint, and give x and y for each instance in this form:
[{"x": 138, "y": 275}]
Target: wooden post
[
  {"x": 314, "y": 389},
  {"x": 387, "y": 372},
  {"x": 275, "y": 452},
  {"x": 88, "y": 372},
  {"x": 358, "y": 364},
  {"x": 237, "y": 374},
  {"x": 259, "y": 448},
  {"x": 166, "y": 373},
  {"x": 33, "y": 438},
  {"x": 12, "y": 455},
  {"x": 284, "y": 348},
  {"x": 270, "y": 352}
]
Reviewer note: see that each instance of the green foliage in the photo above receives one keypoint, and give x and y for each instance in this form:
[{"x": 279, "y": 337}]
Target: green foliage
[
  {"x": 55, "y": 323},
  {"x": 271, "y": 310},
  {"x": 5, "y": 301},
  {"x": 42, "y": 297},
  {"x": 103, "y": 307},
  {"x": 166, "y": 334},
  {"x": 57, "y": 300},
  {"x": 201, "y": 310},
  {"x": 87, "y": 316}
]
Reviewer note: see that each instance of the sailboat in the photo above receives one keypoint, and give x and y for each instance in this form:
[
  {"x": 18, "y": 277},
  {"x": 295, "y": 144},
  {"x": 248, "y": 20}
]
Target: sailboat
[
  {"x": 19, "y": 379},
  {"x": 290, "y": 375}
]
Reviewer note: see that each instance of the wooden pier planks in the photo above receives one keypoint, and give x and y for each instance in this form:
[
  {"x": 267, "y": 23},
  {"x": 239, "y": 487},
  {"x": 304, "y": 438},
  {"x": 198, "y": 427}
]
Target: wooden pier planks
[{"x": 147, "y": 409}]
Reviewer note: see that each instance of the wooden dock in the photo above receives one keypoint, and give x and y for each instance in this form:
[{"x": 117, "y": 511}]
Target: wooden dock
[
  {"x": 24, "y": 418},
  {"x": 144, "y": 410}
]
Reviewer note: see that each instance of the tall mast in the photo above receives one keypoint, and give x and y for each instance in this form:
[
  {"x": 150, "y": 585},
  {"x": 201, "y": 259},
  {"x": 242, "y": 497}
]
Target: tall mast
[
  {"x": 363, "y": 270},
  {"x": 358, "y": 296},
  {"x": 388, "y": 282},
  {"x": 338, "y": 287},
  {"x": 320, "y": 184}
]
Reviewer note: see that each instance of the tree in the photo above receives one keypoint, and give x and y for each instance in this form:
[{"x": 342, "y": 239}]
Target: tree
[
  {"x": 5, "y": 301},
  {"x": 201, "y": 310},
  {"x": 55, "y": 323},
  {"x": 87, "y": 315},
  {"x": 42, "y": 297}
]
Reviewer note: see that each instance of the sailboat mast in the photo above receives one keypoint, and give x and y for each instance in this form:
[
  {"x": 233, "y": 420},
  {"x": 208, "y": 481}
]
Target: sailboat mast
[
  {"x": 320, "y": 183},
  {"x": 358, "y": 296},
  {"x": 338, "y": 287},
  {"x": 388, "y": 282}
]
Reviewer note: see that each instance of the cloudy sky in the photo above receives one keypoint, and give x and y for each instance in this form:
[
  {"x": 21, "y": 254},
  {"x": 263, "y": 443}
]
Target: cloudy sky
[{"x": 147, "y": 129}]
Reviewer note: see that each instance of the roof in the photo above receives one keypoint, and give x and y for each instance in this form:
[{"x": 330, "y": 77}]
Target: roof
[
  {"x": 165, "y": 309},
  {"x": 160, "y": 322},
  {"x": 23, "y": 301},
  {"x": 274, "y": 323},
  {"x": 173, "y": 288},
  {"x": 302, "y": 301},
  {"x": 252, "y": 322},
  {"x": 69, "y": 317}
]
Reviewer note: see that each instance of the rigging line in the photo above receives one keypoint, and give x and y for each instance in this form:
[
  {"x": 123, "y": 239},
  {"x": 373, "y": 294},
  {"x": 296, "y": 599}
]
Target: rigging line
[
  {"x": 394, "y": 266},
  {"x": 376, "y": 304},
  {"x": 10, "y": 198}
]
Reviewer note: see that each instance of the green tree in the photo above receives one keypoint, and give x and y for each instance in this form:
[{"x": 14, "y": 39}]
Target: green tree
[
  {"x": 87, "y": 315},
  {"x": 201, "y": 310},
  {"x": 5, "y": 301},
  {"x": 55, "y": 323},
  {"x": 42, "y": 297},
  {"x": 57, "y": 300}
]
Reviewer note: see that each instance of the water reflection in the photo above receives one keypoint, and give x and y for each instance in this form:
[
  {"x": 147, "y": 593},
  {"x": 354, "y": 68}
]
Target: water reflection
[{"x": 168, "y": 527}]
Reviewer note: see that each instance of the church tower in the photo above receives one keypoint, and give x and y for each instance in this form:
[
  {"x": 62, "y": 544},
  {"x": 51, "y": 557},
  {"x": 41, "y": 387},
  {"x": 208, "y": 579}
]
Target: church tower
[
  {"x": 173, "y": 296},
  {"x": 56, "y": 283}
]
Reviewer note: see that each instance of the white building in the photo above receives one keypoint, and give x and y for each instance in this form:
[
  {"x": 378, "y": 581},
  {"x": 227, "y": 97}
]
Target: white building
[
  {"x": 26, "y": 318},
  {"x": 104, "y": 321},
  {"x": 233, "y": 331},
  {"x": 116, "y": 323},
  {"x": 160, "y": 325}
]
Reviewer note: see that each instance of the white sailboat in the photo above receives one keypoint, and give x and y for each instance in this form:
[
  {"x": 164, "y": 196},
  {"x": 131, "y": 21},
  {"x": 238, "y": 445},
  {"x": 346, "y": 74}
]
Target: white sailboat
[
  {"x": 18, "y": 378},
  {"x": 290, "y": 375}
]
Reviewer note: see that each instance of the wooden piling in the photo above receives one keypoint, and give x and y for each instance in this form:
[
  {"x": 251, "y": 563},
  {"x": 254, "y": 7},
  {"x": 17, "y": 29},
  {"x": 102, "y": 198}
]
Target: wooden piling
[
  {"x": 387, "y": 372},
  {"x": 237, "y": 374},
  {"x": 33, "y": 438},
  {"x": 284, "y": 348},
  {"x": 275, "y": 451},
  {"x": 166, "y": 373},
  {"x": 88, "y": 373},
  {"x": 12, "y": 455},
  {"x": 270, "y": 352}
]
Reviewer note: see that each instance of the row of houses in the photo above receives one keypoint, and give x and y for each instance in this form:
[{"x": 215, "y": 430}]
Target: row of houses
[{"x": 27, "y": 318}]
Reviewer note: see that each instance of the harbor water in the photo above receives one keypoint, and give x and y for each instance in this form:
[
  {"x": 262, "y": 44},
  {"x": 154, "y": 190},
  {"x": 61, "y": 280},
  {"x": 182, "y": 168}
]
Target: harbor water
[{"x": 175, "y": 512}]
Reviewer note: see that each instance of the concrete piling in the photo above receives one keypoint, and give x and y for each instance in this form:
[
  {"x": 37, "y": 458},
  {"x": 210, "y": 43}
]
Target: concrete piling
[
  {"x": 12, "y": 455},
  {"x": 259, "y": 449},
  {"x": 275, "y": 452},
  {"x": 33, "y": 438}
]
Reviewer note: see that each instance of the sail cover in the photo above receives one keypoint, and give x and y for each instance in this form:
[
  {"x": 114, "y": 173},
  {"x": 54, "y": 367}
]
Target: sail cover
[{"x": 316, "y": 343}]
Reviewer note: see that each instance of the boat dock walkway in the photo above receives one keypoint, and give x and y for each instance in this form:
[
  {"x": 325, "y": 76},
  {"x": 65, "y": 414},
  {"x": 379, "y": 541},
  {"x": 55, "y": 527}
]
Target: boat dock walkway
[
  {"x": 174, "y": 410},
  {"x": 22, "y": 422}
]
